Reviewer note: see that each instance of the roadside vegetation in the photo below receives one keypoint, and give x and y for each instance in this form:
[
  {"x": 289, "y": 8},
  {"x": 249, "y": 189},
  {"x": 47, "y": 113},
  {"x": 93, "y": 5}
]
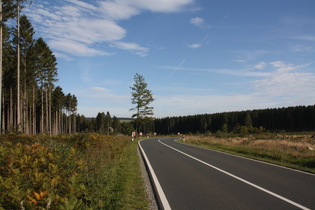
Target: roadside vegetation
[
  {"x": 294, "y": 150},
  {"x": 81, "y": 171}
]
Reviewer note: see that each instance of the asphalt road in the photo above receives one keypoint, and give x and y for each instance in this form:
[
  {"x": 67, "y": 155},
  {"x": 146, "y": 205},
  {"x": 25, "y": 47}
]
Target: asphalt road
[{"x": 189, "y": 177}]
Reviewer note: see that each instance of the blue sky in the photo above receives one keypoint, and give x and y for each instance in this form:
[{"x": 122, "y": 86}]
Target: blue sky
[{"x": 197, "y": 56}]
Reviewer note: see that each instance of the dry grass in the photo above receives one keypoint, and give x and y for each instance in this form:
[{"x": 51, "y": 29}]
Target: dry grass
[{"x": 296, "y": 151}]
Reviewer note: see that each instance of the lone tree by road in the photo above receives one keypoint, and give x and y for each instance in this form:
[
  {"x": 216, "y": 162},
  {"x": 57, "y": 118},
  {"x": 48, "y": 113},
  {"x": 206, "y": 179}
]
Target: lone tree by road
[{"x": 141, "y": 97}]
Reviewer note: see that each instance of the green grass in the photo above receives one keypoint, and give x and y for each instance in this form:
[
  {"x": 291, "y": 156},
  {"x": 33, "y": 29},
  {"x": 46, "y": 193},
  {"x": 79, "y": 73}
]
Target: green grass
[{"x": 133, "y": 192}]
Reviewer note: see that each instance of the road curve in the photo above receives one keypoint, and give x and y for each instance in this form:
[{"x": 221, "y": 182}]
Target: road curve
[{"x": 190, "y": 177}]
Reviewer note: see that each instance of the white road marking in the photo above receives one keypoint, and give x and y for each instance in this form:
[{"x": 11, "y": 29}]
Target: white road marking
[
  {"x": 159, "y": 189},
  {"x": 240, "y": 179}
]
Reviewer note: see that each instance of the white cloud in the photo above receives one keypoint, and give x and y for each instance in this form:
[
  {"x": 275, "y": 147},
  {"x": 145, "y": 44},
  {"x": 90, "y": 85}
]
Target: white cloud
[
  {"x": 305, "y": 37},
  {"x": 68, "y": 13},
  {"x": 83, "y": 4},
  {"x": 81, "y": 25},
  {"x": 282, "y": 66},
  {"x": 197, "y": 21},
  {"x": 118, "y": 10},
  {"x": 133, "y": 47},
  {"x": 98, "y": 89},
  {"x": 281, "y": 84},
  {"x": 60, "y": 55},
  {"x": 159, "y": 5},
  {"x": 194, "y": 46},
  {"x": 75, "y": 48},
  {"x": 86, "y": 31},
  {"x": 260, "y": 65},
  {"x": 239, "y": 60},
  {"x": 285, "y": 81}
]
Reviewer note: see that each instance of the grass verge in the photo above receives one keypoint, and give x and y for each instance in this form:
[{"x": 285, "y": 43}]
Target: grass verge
[
  {"x": 131, "y": 182},
  {"x": 293, "y": 151}
]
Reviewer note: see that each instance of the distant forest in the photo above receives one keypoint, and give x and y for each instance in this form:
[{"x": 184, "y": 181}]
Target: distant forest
[{"x": 299, "y": 118}]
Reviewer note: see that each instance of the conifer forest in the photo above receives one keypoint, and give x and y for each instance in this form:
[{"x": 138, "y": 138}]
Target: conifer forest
[{"x": 30, "y": 101}]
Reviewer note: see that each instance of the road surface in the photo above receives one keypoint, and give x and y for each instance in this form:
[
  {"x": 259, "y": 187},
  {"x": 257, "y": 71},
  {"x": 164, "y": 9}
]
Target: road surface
[{"x": 189, "y": 177}]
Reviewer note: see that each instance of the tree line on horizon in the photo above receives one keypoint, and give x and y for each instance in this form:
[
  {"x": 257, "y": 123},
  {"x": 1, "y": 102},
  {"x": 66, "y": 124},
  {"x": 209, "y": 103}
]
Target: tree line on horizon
[
  {"x": 286, "y": 119},
  {"x": 298, "y": 118},
  {"x": 30, "y": 101}
]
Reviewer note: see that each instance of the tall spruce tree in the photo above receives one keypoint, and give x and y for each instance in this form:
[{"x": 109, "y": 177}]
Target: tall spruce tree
[
  {"x": 100, "y": 122},
  {"x": 108, "y": 122},
  {"x": 6, "y": 12},
  {"x": 58, "y": 100},
  {"x": 142, "y": 97},
  {"x": 23, "y": 43},
  {"x": 8, "y": 79},
  {"x": 46, "y": 73}
]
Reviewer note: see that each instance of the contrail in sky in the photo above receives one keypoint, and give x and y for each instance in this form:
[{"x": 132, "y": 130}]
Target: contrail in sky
[
  {"x": 177, "y": 67},
  {"x": 204, "y": 38},
  {"x": 183, "y": 61},
  {"x": 201, "y": 41}
]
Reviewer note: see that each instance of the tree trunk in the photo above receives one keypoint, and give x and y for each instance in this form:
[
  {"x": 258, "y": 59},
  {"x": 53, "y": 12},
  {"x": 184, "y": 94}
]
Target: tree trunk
[
  {"x": 11, "y": 120},
  {"x": 42, "y": 113},
  {"x": 18, "y": 69},
  {"x": 61, "y": 122},
  {"x": 2, "y": 113},
  {"x": 70, "y": 118},
  {"x": 49, "y": 110},
  {"x": 25, "y": 102},
  {"x": 1, "y": 122},
  {"x": 74, "y": 122},
  {"x": 34, "y": 112},
  {"x": 47, "y": 114}
]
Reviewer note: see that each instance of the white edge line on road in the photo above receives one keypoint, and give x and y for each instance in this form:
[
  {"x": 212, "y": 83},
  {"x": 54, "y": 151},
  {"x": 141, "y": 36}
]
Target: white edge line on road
[
  {"x": 159, "y": 189},
  {"x": 240, "y": 179},
  {"x": 239, "y": 156}
]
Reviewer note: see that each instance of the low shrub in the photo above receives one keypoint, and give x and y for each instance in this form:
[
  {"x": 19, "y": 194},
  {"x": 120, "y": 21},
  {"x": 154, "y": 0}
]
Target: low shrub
[{"x": 80, "y": 171}]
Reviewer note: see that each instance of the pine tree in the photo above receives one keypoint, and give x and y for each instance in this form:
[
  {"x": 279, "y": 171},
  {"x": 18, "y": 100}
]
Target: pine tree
[
  {"x": 71, "y": 103},
  {"x": 46, "y": 73},
  {"x": 100, "y": 122},
  {"x": 108, "y": 122},
  {"x": 141, "y": 97},
  {"x": 24, "y": 43},
  {"x": 9, "y": 78},
  {"x": 58, "y": 100},
  {"x": 6, "y": 12},
  {"x": 116, "y": 125},
  {"x": 74, "y": 104}
]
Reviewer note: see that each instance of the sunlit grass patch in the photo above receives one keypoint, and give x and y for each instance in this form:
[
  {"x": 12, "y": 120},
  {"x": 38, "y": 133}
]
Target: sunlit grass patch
[{"x": 295, "y": 151}]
